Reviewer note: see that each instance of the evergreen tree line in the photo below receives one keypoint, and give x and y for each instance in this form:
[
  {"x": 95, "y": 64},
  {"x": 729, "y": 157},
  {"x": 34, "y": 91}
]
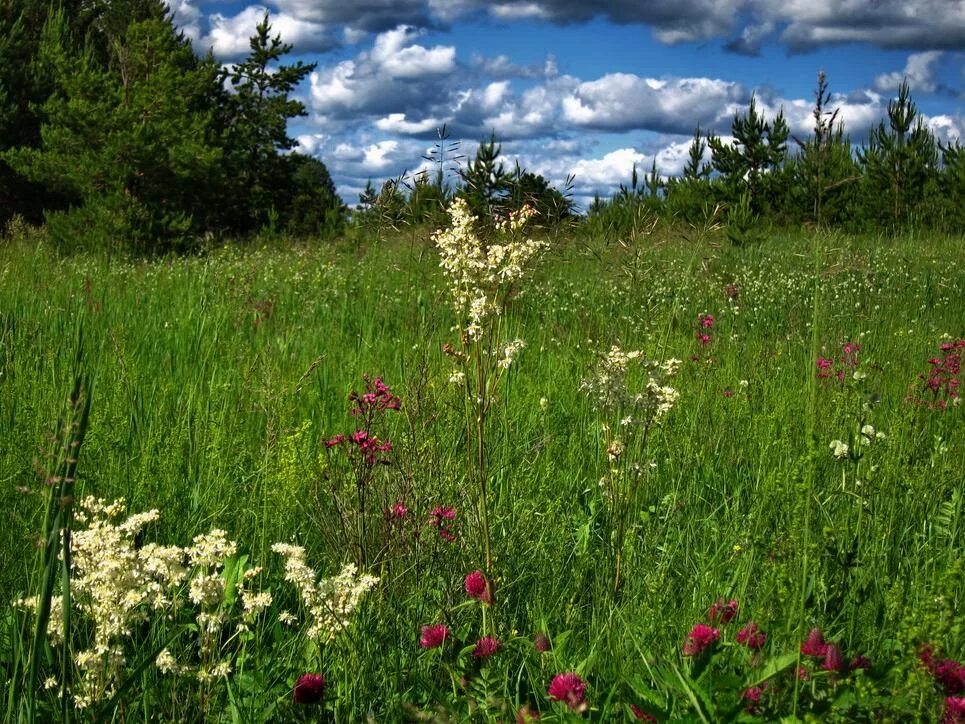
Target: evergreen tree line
[
  {"x": 117, "y": 135},
  {"x": 901, "y": 177}
]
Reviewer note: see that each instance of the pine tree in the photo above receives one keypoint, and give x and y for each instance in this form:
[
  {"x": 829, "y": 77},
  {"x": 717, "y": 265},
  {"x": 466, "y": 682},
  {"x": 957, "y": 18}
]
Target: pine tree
[
  {"x": 899, "y": 161},
  {"x": 128, "y": 145},
  {"x": 696, "y": 169},
  {"x": 253, "y": 114},
  {"x": 825, "y": 167},
  {"x": 758, "y": 149},
  {"x": 485, "y": 182}
]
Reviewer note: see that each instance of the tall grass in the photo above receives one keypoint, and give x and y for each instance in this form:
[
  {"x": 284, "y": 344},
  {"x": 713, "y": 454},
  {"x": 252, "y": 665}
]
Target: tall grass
[{"x": 217, "y": 378}]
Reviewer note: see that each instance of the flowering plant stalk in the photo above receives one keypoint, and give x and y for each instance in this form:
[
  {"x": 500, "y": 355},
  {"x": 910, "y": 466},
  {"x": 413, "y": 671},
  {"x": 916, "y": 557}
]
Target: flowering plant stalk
[
  {"x": 483, "y": 275},
  {"x": 364, "y": 452},
  {"x": 632, "y": 395}
]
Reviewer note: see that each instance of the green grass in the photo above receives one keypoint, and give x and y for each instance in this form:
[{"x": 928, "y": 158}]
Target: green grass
[{"x": 216, "y": 378}]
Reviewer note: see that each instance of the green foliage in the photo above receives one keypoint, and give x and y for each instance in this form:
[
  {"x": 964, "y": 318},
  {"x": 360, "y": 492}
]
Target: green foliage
[
  {"x": 899, "y": 164},
  {"x": 311, "y": 205},
  {"x": 252, "y": 115},
  {"x": 226, "y": 372},
  {"x": 128, "y": 148},
  {"x": 485, "y": 181},
  {"x": 746, "y": 165}
]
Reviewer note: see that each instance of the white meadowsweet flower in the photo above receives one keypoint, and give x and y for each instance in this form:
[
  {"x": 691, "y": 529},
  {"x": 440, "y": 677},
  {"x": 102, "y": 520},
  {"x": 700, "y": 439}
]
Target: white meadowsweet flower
[{"x": 839, "y": 449}]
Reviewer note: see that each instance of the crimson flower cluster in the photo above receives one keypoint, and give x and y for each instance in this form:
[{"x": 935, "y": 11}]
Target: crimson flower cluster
[
  {"x": 838, "y": 369},
  {"x": 943, "y": 380},
  {"x": 570, "y": 689},
  {"x": 376, "y": 398},
  {"x": 309, "y": 689},
  {"x": 829, "y": 654},
  {"x": 949, "y": 675},
  {"x": 442, "y": 517},
  {"x": 370, "y": 406}
]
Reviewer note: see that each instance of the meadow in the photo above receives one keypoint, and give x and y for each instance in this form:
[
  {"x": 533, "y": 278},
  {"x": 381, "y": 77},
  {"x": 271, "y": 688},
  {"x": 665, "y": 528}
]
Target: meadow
[{"x": 805, "y": 472}]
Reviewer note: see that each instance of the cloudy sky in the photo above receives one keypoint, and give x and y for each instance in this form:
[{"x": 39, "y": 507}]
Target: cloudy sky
[{"x": 586, "y": 87}]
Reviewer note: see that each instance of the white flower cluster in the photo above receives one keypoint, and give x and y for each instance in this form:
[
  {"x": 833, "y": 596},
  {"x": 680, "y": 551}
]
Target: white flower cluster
[
  {"x": 116, "y": 585},
  {"x": 614, "y": 388},
  {"x": 869, "y": 435},
  {"x": 328, "y": 602},
  {"x": 510, "y": 350},
  {"x": 479, "y": 270},
  {"x": 839, "y": 449}
]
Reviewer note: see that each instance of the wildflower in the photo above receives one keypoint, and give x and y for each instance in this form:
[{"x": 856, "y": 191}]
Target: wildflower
[
  {"x": 706, "y": 321},
  {"x": 478, "y": 271},
  {"x": 398, "y": 510},
  {"x": 814, "y": 645},
  {"x": 486, "y": 647},
  {"x": 824, "y": 367},
  {"x": 839, "y": 449},
  {"x": 751, "y": 636},
  {"x": 329, "y": 602},
  {"x": 478, "y": 587},
  {"x": 753, "y": 696},
  {"x": 50, "y": 683},
  {"x": 509, "y": 353},
  {"x": 722, "y": 611},
  {"x": 703, "y": 338},
  {"x": 700, "y": 638},
  {"x": 954, "y": 710},
  {"x": 860, "y": 662},
  {"x": 728, "y": 392},
  {"x": 732, "y": 291},
  {"x": 458, "y": 377},
  {"x": 832, "y": 659},
  {"x": 541, "y": 643},
  {"x": 543, "y": 403},
  {"x": 570, "y": 689},
  {"x": 309, "y": 689},
  {"x": 337, "y": 440},
  {"x": 433, "y": 636}
]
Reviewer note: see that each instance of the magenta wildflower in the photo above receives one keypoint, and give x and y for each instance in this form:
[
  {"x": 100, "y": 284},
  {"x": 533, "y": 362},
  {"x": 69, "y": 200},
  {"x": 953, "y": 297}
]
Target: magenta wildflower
[
  {"x": 728, "y": 392},
  {"x": 833, "y": 661},
  {"x": 441, "y": 517},
  {"x": 433, "y": 635},
  {"x": 337, "y": 440},
  {"x": 802, "y": 673},
  {"x": 703, "y": 338},
  {"x": 309, "y": 689},
  {"x": 706, "y": 321},
  {"x": 954, "y": 710},
  {"x": 700, "y": 638},
  {"x": 541, "y": 643},
  {"x": 814, "y": 645},
  {"x": 751, "y": 636},
  {"x": 486, "y": 647},
  {"x": 398, "y": 510},
  {"x": 376, "y": 398},
  {"x": 753, "y": 696},
  {"x": 478, "y": 587},
  {"x": 860, "y": 662},
  {"x": 570, "y": 689},
  {"x": 722, "y": 611}
]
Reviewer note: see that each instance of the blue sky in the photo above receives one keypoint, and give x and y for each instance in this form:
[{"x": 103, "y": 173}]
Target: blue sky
[{"x": 587, "y": 87}]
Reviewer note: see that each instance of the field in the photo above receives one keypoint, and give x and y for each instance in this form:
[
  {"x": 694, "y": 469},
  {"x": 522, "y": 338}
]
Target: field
[{"x": 216, "y": 382}]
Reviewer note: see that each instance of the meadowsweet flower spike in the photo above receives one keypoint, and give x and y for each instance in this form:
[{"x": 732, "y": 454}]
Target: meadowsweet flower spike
[
  {"x": 328, "y": 602},
  {"x": 477, "y": 271}
]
